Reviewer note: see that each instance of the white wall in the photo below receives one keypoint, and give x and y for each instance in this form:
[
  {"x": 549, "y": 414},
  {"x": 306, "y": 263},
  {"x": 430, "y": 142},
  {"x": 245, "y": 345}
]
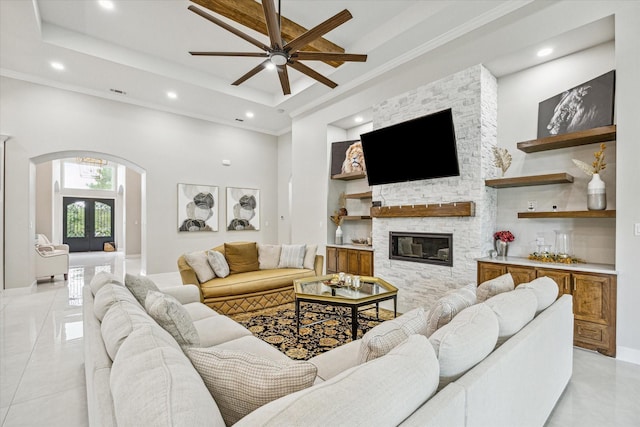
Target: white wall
[{"x": 133, "y": 213}]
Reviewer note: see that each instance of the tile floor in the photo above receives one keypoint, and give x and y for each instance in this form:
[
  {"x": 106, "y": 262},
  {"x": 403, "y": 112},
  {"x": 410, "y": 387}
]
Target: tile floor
[{"x": 42, "y": 372}]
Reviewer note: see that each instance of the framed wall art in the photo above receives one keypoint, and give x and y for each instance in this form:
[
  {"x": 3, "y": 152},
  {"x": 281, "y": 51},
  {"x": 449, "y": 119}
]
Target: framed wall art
[
  {"x": 586, "y": 106},
  {"x": 197, "y": 207},
  {"x": 347, "y": 157},
  {"x": 243, "y": 209}
]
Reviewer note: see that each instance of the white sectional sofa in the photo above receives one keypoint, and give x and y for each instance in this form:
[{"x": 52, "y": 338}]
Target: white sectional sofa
[{"x": 138, "y": 375}]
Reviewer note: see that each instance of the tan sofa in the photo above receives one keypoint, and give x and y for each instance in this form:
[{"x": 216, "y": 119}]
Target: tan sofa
[{"x": 250, "y": 290}]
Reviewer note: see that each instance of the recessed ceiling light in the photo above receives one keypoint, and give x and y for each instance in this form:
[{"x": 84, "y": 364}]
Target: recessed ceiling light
[
  {"x": 545, "y": 51},
  {"x": 270, "y": 66},
  {"x": 106, "y": 4},
  {"x": 172, "y": 95},
  {"x": 57, "y": 65},
  {"x": 358, "y": 119},
  {"x": 249, "y": 114}
]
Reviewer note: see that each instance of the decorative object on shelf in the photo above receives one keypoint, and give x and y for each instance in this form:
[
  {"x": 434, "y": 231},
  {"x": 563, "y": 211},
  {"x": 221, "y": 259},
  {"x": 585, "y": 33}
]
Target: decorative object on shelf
[
  {"x": 502, "y": 159},
  {"x": 542, "y": 257},
  {"x": 197, "y": 210},
  {"x": 586, "y": 106},
  {"x": 563, "y": 244},
  {"x": 243, "y": 209},
  {"x": 338, "y": 240},
  {"x": 342, "y": 202},
  {"x": 337, "y": 219},
  {"x": 501, "y": 240},
  {"x": 340, "y": 157},
  {"x": 596, "y": 189}
]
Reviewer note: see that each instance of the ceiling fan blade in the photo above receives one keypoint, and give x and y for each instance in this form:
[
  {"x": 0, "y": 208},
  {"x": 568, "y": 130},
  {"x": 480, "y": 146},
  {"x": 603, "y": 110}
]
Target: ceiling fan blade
[
  {"x": 318, "y": 31},
  {"x": 255, "y": 70},
  {"x": 329, "y": 56},
  {"x": 284, "y": 79},
  {"x": 229, "y": 28},
  {"x": 312, "y": 73},
  {"x": 250, "y": 54},
  {"x": 273, "y": 26}
]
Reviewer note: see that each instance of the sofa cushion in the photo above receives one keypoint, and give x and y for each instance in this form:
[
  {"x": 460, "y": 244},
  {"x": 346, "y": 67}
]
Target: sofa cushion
[
  {"x": 384, "y": 337},
  {"x": 292, "y": 256},
  {"x": 139, "y": 286},
  {"x": 513, "y": 310},
  {"x": 242, "y": 382},
  {"x": 215, "y": 330},
  {"x": 546, "y": 290},
  {"x": 241, "y": 256},
  {"x": 382, "y": 392},
  {"x": 310, "y": 257},
  {"x": 107, "y": 296},
  {"x": 493, "y": 287},
  {"x": 218, "y": 263},
  {"x": 154, "y": 384},
  {"x": 102, "y": 278},
  {"x": 169, "y": 313},
  {"x": 199, "y": 262},
  {"x": 465, "y": 341},
  {"x": 268, "y": 256},
  {"x": 448, "y": 306}
]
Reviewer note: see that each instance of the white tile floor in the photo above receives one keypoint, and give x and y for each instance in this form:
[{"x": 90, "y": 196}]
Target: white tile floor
[{"x": 42, "y": 372}]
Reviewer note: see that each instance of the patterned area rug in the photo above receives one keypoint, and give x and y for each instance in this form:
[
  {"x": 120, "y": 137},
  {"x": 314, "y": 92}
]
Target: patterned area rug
[{"x": 277, "y": 326}]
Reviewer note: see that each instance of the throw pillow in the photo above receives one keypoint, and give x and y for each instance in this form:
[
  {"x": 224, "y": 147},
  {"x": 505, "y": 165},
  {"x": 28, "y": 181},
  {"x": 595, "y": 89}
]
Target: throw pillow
[
  {"x": 241, "y": 382},
  {"x": 310, "y": 257},
  {"x": 513, "y": 310},
  {"x": 139, "y": 286},
  {"x": 102, "y": 278},
  {"x": 241, "y": 257},
  {"x": 200, "y": 264},
  {"x": 218, "y": 263},
  {"x": 173, "y": 317},
  {"x": 546, "y": 290},
  {"x": 268, "y": 256},
  {"x": 448, "y": 306},
  {"x": 387, "y": 335},
  {"x": 494, "y": 287},
  {"x": 292, "y": 256}
]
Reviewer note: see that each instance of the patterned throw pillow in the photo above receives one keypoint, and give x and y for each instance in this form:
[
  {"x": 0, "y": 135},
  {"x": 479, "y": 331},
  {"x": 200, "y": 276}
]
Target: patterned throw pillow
[
  {"x": 218, "y": 263},
  {"x": 292, "y": 256},
  {"x": 386, "y": 336},
  {"x": 494, "y": 287},
  {"x": 310, "y": 257},
  {"x": 448, "y": 306},
  {"x": 241, "y": 382},
  {"x": 241, "y": 257},
  {"x": 268, "y": 256},
  {"x": 139, "y": 286},
  {"x": 173, "y": 317},
  {"x": 200, "y": 264}
]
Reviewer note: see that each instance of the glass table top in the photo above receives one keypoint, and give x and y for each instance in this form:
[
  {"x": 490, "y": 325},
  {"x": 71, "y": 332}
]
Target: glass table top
[{"x": 328, "y": 288}]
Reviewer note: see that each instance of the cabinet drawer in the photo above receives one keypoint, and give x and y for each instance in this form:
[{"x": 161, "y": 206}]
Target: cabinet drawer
[{"x": 595, "y": 335}]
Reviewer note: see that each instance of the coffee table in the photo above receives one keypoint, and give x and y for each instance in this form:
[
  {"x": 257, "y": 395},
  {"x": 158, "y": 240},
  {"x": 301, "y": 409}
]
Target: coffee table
[{"x": 373, "y": 290}]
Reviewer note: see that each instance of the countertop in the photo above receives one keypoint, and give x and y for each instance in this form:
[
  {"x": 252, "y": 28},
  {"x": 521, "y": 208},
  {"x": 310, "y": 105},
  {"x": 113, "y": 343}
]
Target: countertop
[
  {"x": 351, "y": 246},
  {"x": 584, "y": 267}
]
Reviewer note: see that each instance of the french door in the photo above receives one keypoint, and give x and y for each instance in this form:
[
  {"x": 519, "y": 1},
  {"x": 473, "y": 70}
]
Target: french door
[{"x": 87, "y": 223}]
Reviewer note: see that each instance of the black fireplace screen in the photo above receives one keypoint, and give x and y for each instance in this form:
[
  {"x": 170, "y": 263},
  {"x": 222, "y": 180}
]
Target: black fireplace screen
[{"x": 429, "y": 248}]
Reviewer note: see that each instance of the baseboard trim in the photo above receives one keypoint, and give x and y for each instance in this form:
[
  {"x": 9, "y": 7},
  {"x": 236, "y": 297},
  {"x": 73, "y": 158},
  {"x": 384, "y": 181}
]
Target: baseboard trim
[{"x": 627, "y": 354}]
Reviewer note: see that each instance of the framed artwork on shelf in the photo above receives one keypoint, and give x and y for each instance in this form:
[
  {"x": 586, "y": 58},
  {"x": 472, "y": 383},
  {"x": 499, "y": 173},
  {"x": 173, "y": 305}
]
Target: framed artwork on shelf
[
  {"x": 243, "y": 209},
  {"x": 586, "y": 106},
  {"x": 347, "y": 157},
  {"x": 197, "y": 207}
]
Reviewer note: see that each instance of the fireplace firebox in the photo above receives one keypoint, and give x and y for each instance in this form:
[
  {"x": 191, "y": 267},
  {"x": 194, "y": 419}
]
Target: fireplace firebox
[{"x": 428, "y": 248}]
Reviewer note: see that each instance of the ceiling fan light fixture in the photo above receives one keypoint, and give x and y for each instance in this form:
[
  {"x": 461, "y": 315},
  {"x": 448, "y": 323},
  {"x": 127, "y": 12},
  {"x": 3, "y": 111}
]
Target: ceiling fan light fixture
[{"x": 278, "y": 58}]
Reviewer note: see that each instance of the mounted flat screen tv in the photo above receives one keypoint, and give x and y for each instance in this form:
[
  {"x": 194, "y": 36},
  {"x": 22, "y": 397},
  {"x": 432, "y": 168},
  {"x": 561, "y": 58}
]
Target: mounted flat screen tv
[{"x": 421, "y": 148}]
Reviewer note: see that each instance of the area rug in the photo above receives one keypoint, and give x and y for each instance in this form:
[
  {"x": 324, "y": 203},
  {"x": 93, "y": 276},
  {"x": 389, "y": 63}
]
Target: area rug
[{"x": 277, "y": 326}]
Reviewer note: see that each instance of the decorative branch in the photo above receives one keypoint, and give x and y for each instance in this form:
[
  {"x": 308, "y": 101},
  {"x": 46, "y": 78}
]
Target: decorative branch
[{"x": 502, "y": 158}]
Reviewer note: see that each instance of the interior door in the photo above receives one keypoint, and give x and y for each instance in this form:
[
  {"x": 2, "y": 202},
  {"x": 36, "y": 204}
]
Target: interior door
[{"x": 87, "y": 223}]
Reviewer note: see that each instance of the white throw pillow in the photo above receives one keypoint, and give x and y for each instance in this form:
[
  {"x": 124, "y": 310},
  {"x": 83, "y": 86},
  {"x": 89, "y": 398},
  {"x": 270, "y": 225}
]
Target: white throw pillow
[
  {"x": 199, "y": 262},
  {"x": 310, "y": 257},
  {"x": 465, "y": 341},
  {"x": 108, "y": 295},
  {"x": 173, "y": 317},
  {"x": 218, "y": 263},
  {"x": 546, "y": 290},
  {"x": 494, "y": 287},
  {"x": 446, "y": 308},
  {"x": 513, "y": 310},
  {"x": 139, "y": 286},
  {"x": 241, "y": 382},
  {"x": 292, "y": 256},
  {"x": 384, "y": 337},
  {"x": 268, "y": 256}
]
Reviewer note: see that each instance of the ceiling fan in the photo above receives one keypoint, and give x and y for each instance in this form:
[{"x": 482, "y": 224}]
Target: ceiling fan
[{"x": 282, "y": 53}]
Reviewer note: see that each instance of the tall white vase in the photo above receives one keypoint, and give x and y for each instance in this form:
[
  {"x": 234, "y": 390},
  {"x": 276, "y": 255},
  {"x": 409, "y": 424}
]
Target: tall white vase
[
  {"x": 596, "y": 194},
  {"x": 338, "y": 236}
]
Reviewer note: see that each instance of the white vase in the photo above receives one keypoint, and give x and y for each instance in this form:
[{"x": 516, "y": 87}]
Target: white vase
[
  {"x": 596, "y": 194},
  {"x": 338, "y": 240}
]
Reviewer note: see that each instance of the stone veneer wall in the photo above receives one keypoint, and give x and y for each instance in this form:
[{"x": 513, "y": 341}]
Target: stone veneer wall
[{"x": 472, "y": 96}]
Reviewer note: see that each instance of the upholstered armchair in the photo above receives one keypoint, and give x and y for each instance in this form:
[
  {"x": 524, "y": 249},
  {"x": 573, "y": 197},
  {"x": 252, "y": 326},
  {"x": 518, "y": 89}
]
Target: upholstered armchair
[{"x": 51, "y": 259}]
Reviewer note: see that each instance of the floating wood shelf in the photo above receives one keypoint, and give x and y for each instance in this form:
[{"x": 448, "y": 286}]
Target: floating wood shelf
[
  {"x": 573, "y": 139},
  {"x": 433, "y": 210},
  {"x": 524, "y": 181},
  {"x": 349, "y": 176},
  {"x": 365, "y": 195},
  {"x": 355, "y": 217},
  {"x": 569, "y": 214}
]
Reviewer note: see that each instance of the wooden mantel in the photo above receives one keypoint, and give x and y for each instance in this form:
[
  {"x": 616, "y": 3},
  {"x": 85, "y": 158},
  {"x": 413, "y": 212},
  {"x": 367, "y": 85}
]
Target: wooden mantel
[{"x": 431, "y": 210}]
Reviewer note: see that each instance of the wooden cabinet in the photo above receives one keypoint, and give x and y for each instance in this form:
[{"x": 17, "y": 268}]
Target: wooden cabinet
[
  {"x": 351, "y": 261},
  {"x": 594, "y": 300}
]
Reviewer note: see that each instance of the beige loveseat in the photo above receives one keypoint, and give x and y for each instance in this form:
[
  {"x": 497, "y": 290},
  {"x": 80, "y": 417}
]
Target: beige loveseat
[
  {"x": 256, "y": 286},
  {"x": 138, "y": 375}
]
